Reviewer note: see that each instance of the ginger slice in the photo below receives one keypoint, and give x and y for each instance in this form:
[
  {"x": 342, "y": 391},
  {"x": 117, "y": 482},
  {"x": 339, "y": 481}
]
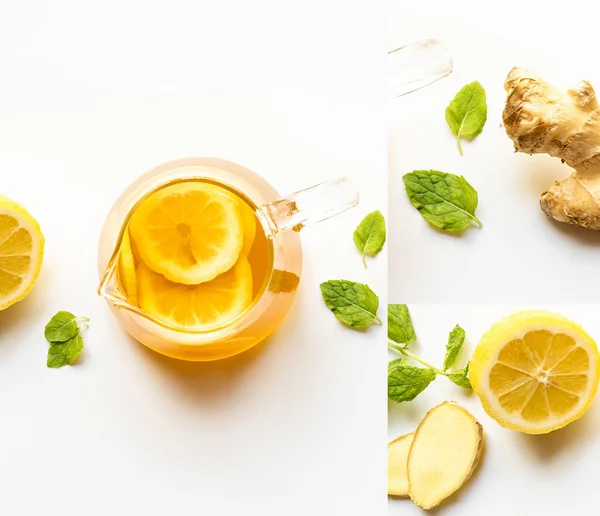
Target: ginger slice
[
  {"x": 444, "y": 453},
  {"x": 398, "y": 465}
]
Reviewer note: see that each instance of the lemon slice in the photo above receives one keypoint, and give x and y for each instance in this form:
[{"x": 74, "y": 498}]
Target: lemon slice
[
  {"x": 197, "y": 307},
  {"x": 189, "y": 232},
  {"x": 127, "y": 269},
  {"x": 535, "y": 371},
  {"x": 21, "y": 252}
]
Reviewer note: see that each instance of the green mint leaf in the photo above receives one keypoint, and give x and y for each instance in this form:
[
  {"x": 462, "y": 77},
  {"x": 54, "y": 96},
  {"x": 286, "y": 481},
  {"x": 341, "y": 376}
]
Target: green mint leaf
[
  {"x": 355, "y": 304},
  {"x": 369, "y": 236},
  {"x": 467, "y": 113},
  {"x": 57, "y": 355},
  {"x": 62, "y": 327},
  {"x": 461, "y": 378},
  {"x": 63, "y": 353},
  {"x": 406, "y": 382},
  {"x": 400, "y": 327},
  {"x": 444, "y": 200},
  {"x": 455, "y": 341},
  {"x": 398, "y": 362},
  {"x": 74, "y": 348}
]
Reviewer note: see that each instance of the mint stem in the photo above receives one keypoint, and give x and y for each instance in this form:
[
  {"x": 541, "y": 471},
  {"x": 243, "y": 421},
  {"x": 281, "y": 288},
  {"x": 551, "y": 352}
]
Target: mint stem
[{"x": 407, "y": 353}]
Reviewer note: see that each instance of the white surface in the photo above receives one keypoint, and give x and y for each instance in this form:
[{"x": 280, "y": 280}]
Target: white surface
[
  {"x": 519, "y": 254},
  {"x": 94, "y": 94},
  {"x": 520, "y": 475}
]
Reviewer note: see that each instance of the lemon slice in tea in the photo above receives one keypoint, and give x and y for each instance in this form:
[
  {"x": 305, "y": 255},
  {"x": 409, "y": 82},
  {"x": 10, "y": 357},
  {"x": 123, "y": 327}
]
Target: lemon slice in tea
[
  {"x": 189, "y": 232},
  {"x": 535, "y": 371},
  {"x": 196, "y": 307}
]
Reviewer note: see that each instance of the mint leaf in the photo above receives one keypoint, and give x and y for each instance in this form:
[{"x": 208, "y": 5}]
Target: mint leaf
[
  {"x": 461, "y": 378},
  {"x": 455, "y": 341},
  {"x": 64, "y": 334},
  {"x": 369, "y": 236},
  {"x": 74, "y": 348},
  {"x": 467, "y": 112},
  {"x": 406, "y": 382},
  {"x": 400, "y": 327},
  {"x": 57, "y": 356},
  {"x": 355, "y": 304},
  {"x": 396, "y": 363},
  {"x": 62, "y": 327},
  {"x": 444, "y": 200},
  {"x": 63, "y": 353}
]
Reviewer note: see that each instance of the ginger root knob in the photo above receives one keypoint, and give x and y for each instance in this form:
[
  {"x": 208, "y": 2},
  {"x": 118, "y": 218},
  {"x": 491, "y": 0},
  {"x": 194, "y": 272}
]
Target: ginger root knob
[{"x": 544, "y": 119}]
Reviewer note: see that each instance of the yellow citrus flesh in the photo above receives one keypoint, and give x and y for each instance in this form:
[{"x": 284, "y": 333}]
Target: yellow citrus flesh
[
  {"x": 535, "y": 371},
  {"x": 189, "y": 232},
  {"x": 21, "y": 252},
  {"x": 127, "y": 269},
  {"x": 197, "y": 307}
]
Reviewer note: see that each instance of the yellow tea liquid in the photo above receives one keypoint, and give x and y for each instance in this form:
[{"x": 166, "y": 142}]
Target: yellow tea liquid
[{"x": 195, "y": 256}]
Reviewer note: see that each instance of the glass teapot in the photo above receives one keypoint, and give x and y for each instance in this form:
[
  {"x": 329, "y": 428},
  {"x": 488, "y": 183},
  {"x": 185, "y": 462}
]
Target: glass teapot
[{"x": 279, "y": 220}]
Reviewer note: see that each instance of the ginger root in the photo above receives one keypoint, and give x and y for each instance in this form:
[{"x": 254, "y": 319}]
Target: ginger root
[
  {"x": 398, "y": 465},
  {"x": 541, "y": 118}
]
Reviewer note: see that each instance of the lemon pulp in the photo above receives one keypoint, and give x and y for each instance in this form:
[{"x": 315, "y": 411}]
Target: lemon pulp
[
  {"x": 21, "y": 252},
  {"x": 190, "y": 265},
  {"x": 189, "y": 232},
  {"x": 202, "y": 306},
  {"x": 535, "y": 371}
]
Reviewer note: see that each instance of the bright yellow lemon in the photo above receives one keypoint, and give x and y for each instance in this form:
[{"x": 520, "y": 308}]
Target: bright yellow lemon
[
  {"x": 535, "y": 371},
  {"x": 189, "y": 232},
  {"x": 21, "y": 252},
  {"x": 197, "y": 307}
]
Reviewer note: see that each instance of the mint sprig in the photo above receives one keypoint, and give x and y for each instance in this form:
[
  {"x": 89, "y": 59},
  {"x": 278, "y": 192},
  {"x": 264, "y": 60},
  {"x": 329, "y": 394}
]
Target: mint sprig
[
  {"x": 405, "y": 381},
  {"x": 63, "y": 332}
]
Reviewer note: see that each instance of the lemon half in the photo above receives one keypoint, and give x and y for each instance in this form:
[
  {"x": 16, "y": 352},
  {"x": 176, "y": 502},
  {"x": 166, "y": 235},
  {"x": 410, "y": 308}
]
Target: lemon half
[
  {"x": 21, "y": 252},
  {"x": 535, "y": 371}
]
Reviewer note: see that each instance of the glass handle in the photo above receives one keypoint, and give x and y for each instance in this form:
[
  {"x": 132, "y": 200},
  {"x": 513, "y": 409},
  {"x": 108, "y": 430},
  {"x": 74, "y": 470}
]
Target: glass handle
[
  {"x": 311, "y": 205},
  {"x": 416, "y": 65}
]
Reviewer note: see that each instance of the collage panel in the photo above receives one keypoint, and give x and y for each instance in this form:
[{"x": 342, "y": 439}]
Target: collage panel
[
  {"x": 493, "y": 250},
  {"x": 192, "y": 205},
  {"x": 514, "y": 116},
  {"x": 516, "y": 433}
]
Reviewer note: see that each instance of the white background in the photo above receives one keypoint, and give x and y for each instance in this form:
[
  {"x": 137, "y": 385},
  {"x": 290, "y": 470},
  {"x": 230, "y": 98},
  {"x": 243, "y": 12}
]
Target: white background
[
  {"x": 520, "y": 475},
  {"x": 94, "y": 94},
  {"x": 519, "y": 254}
]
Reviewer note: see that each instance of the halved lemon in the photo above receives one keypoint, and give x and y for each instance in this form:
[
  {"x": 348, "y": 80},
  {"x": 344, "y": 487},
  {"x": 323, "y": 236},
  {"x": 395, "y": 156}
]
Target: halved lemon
[
  {"x": 21, "y": 252},
  {"x": 196, "y": 307},
  {"x": 127, "y": 269},
  {"x": 535, "y": 371},
  {"x": 189, "y": 232}
]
